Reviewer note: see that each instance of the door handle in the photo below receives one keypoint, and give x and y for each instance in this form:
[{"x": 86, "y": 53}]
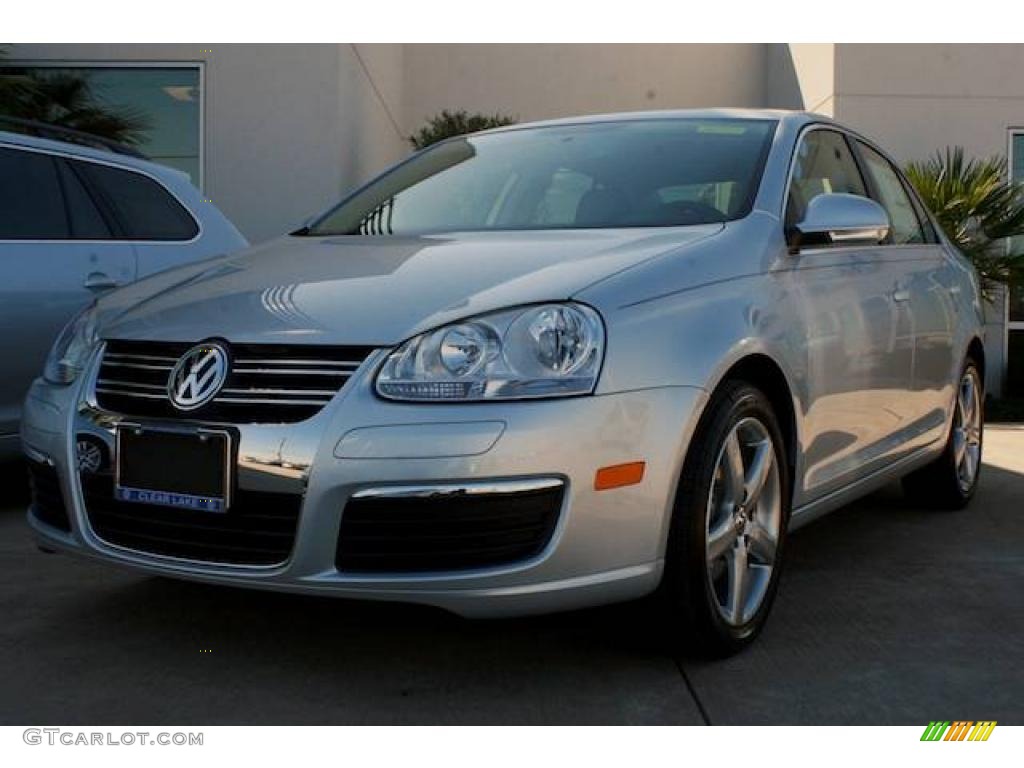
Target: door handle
[
  {"x": 99, "y": 281},
  {"x": 901, "y": 294}
]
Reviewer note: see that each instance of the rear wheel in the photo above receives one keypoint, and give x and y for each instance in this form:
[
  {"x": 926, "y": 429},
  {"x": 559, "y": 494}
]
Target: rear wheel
[
  {"x": 949, "y": 482},
  {"x": 729, "y": 525}
]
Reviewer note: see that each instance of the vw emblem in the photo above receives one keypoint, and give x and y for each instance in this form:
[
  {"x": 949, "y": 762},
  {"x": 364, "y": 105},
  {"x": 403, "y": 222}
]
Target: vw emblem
[{"x": 198, "y": 376}]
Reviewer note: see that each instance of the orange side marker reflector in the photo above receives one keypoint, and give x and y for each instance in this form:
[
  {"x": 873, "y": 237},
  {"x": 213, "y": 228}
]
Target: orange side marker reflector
[{"x": 619, "y": 475}]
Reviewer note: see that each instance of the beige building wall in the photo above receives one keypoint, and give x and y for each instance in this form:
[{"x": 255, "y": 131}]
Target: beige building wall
[
  {"x": 815, "y": 70},
  {"x": 374, "y": 89},
  {"x": 535, "y": 82},
  {"x": 916, "y": 99}
]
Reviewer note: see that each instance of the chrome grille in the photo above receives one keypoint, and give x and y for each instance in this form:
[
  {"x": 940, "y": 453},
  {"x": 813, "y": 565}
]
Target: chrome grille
[{"x": 267, "y": 383}]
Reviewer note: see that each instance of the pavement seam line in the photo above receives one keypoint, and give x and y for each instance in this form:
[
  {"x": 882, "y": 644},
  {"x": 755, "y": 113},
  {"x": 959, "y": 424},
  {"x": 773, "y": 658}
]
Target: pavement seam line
[{"x": 693, "y": 691}]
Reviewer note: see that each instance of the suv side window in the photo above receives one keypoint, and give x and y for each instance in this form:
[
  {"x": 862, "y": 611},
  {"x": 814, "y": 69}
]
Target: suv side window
[
  {"x": 891, "y": 194},
  {"x": 143, "y": 208},
  {"x": 84, "y": 217},
  {"x": 823, "y": 164},
  {"x": 31, "y": 203}
]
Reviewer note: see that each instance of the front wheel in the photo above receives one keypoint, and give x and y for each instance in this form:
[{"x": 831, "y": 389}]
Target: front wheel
[{"x": 729, "y": 525}]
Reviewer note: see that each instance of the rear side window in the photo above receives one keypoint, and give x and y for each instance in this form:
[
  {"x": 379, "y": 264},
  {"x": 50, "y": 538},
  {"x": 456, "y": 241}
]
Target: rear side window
[
  {"x": 823, "y": 165},
  {"x": 906, "y": 227},
  {"x": 143, "y": 208},
  {"x": 31, "y": 203},
  {"x": 83, "y": 216}
]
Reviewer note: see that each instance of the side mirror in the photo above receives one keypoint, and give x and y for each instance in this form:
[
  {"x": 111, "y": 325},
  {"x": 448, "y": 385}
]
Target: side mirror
[{"x": 840, "y": 219}]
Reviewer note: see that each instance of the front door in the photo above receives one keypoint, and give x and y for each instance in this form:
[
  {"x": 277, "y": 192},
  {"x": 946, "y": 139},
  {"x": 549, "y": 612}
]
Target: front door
[{"x": 855, "y": 310}]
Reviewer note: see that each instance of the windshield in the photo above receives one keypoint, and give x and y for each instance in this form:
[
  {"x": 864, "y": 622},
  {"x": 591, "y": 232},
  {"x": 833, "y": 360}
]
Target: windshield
[{"x": 638, "y": 173}]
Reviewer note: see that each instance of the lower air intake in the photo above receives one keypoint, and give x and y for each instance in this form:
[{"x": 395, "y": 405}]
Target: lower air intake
[{"x": 445, "y": 532}]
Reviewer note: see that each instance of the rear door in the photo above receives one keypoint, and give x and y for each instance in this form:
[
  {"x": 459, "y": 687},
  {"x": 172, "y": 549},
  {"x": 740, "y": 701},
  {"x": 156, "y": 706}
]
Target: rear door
[
  {"x": 926, "y": 291},
  {"x": 56, "y": 255},
  {"x": 164, "y": 232}
]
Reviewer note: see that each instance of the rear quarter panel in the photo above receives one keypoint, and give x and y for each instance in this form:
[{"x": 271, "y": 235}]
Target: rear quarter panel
[{"x": 217, "y": 235}]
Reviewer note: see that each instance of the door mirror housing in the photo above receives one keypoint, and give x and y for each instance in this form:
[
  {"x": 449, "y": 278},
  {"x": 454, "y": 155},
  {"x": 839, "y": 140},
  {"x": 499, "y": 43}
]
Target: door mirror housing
[{"x": 840, "y": 219}]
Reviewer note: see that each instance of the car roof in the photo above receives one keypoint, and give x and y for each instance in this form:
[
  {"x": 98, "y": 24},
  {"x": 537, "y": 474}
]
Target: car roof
[
  {"x": 90, "y": 153},
  {"x": 794, "y": 117}
]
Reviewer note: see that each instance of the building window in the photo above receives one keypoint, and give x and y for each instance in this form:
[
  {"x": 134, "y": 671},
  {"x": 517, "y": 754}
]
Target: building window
[
  {"x": 1015, "y": 332},
  {"x": 1017, "y": 174},
  {"x": 166, "y": 100}
]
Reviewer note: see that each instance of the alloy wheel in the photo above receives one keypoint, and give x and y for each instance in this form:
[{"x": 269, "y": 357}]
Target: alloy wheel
[
  {"x": 743, "y": 521},
  {"x": 967, "y": 430}
]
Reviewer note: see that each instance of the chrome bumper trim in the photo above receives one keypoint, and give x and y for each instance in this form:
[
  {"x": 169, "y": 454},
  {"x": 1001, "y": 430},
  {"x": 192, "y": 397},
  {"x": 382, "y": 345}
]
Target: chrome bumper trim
[{"x": 490, "y": 487}]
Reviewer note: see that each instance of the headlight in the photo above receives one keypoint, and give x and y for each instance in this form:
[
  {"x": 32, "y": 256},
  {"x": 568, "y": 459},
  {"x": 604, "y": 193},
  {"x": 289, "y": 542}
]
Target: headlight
[
  {"x": 71, "y": 350},
  {"x": 552, "y": 350}
]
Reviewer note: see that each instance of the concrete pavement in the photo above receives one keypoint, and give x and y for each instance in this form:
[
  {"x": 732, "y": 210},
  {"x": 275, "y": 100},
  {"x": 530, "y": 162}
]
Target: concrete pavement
[{"x": 887, "y": 614}]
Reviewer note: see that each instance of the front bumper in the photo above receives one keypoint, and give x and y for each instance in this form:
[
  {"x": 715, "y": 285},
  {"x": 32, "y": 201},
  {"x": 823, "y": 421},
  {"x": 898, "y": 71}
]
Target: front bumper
[{"x": 607, "y": 546}]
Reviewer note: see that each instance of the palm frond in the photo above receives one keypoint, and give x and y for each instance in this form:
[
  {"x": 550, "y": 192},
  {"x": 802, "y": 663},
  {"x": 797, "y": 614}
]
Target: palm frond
[
  {"x": 978, "y": 207},
  {"x": 67, "y": 99}
]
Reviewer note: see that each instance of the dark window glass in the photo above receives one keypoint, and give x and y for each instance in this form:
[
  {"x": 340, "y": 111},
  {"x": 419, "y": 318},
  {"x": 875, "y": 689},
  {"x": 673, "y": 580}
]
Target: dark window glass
[
  {"x": 823, "y": 165},
  {"x": 31, "y": 204},
  {"x": 86, "y": 221},
  {"x": 906, "y": 227},
  {"x": 1017, "y": 246},
  {"x": 144, "y": 209},
  {"x": 930, "y": 233},
  {"x": 638, "y": 173},
  {"x": 1017, "y": 151},
  {"x": 1017, "y": 302},
  {"x": 1015, "y": 363}
]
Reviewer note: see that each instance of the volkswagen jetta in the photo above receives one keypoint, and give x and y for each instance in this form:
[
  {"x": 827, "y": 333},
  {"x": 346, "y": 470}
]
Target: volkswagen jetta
[{"x": 538, "y": 368}]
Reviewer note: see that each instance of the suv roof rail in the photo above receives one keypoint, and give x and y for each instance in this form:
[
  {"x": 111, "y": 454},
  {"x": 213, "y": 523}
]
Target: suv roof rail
[{"x": 69, "y": 135}]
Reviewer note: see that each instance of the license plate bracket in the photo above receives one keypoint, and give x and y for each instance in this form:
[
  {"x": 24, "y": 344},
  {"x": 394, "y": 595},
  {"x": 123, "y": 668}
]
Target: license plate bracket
[{"x": 187, "y": 469}]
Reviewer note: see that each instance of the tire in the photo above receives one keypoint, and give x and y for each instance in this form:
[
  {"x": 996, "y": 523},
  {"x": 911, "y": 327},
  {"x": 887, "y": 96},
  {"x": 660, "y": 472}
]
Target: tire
[
  {"x": 950, "y": 481},
  {"x": 716, "y": 540}
]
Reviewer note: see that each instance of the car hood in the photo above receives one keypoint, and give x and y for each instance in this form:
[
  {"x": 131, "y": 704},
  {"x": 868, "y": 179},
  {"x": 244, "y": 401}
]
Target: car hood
[{"x": 374, "y": 290}]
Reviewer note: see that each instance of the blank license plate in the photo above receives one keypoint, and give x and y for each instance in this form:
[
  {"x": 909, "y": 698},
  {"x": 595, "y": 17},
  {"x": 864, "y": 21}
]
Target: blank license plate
[{"x": 183, "y": 469}]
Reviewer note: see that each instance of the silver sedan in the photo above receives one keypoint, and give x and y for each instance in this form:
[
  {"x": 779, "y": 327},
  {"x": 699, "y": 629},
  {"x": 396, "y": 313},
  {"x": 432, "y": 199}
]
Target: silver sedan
[{"x": 538, "y": 368}]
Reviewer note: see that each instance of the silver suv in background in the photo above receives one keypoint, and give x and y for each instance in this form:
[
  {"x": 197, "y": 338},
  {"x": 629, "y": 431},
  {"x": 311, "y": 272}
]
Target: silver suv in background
[{"x": 75, "y": 222}]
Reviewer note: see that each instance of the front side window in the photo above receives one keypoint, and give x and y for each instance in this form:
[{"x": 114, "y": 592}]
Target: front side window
[
  {"x": 823, "y": 165},
  {"x": 905, "y": 226},
  {"x": 640, "y": 173},
  {"x": 31, "y": 202}
]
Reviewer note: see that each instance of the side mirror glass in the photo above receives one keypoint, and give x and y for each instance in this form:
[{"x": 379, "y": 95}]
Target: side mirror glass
[{"x": 840, "y": 219}]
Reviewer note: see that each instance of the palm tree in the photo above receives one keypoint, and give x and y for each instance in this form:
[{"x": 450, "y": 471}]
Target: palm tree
[
  {"x": 978, "y": 209},
  {"x": 67, "y": 99}
]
